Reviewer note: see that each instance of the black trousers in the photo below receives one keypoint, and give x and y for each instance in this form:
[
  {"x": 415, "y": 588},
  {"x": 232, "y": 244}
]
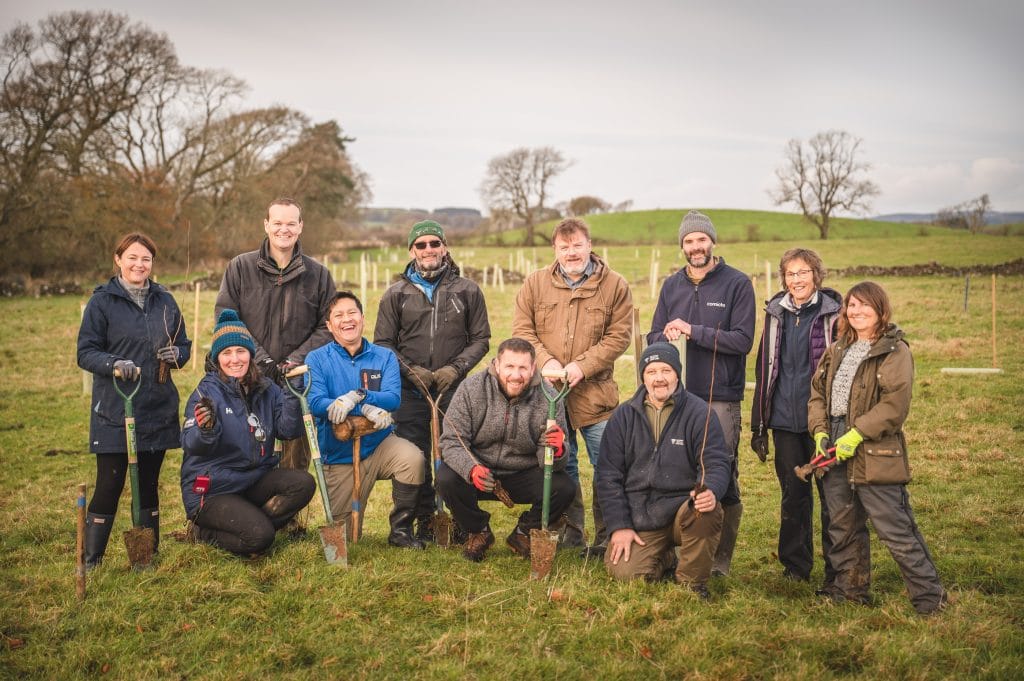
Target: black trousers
[
  {"x": 111, "y": 470},
  {"x": 796, "y": 525},
  {"x": 412, "y": 422},
  {"x": 246, "y": 523},
  {"x": 525, "y": 487}
]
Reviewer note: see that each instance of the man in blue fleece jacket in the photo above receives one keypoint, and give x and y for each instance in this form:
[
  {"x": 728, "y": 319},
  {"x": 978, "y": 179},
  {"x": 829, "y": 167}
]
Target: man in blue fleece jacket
[
  {"x": 712, "y": 306},
  {"x": 354, "y": 376}
]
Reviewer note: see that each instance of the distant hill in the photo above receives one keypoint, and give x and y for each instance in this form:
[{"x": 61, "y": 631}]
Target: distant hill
[
  {"x": 451, "y": 218},
  {"x": 992, "y": 217},
  {"x": 733, "y": 226}
]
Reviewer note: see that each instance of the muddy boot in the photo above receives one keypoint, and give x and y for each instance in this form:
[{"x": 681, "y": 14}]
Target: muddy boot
[
  {"x": 727, "y": 543},
  {"x": 97, "y": 534},
  {"x": 477, "y": 544},
  {"x": 151, "y": 519},
  {"x": 404, "y": 496}
]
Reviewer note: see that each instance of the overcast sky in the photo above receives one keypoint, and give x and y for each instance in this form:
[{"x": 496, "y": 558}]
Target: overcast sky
[{"x": 670, "y": 104}]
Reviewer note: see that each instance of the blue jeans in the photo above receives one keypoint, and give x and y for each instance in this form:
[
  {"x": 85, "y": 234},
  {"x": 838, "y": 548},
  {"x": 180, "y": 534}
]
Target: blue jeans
[{"x": 592, "y": 437}]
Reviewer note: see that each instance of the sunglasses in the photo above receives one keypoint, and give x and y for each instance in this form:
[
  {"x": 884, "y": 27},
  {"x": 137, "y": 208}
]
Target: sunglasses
[
  {"x": 420, "y": 245},
  {"x": 257, "y": 428}
]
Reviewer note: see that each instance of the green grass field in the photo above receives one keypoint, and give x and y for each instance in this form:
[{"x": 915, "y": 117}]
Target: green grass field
[{"x": 395, "y": 614}]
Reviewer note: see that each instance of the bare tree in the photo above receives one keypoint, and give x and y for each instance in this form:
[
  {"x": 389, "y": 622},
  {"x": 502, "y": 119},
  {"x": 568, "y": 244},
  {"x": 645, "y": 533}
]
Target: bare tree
[
  {"x": 824, "y": 177},
  {"x": 969, "y": 215},
  {"x": 518, "y": 182}
]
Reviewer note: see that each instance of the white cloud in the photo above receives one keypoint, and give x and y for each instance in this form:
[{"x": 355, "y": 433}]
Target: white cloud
[{"x": 927, "y": 188}]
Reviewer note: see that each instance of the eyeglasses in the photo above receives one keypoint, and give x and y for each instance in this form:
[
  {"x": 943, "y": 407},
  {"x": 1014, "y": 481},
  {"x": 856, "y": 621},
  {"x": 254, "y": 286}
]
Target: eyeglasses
[
  {"x": 257, "y": 427},
  {"x": 799, "y": 274},
  {"x": 434, "y": 243}
]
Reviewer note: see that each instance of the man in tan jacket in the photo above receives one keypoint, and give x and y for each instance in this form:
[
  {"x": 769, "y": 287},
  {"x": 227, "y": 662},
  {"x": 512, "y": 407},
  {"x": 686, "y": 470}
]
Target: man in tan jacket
[{"x": 577, "y": 313}]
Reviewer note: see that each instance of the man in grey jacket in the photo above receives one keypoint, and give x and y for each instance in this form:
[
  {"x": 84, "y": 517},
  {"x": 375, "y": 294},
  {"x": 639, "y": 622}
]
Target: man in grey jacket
[
  {"x": 283, "y": 297},
  {"x": 495, "y": 431}
]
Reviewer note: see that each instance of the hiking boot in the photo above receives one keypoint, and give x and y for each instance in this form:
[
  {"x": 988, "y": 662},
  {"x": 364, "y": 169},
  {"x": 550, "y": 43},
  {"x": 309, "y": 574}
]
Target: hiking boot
[
  {"x": 459, "y": 535},
  {"x": 519, "y": 542},
  {"x": 477, "y": 544},
  {"x": 929, "y": 611},
  {"x": 794, "y": 576}
]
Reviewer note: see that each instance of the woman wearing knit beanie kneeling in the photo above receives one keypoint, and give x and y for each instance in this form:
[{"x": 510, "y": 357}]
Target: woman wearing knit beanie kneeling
[{"x": 234, "y": 493}]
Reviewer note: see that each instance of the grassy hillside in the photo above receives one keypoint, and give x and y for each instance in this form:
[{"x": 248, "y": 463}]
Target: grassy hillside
[
  {"x": 662, "y": 227},
  {"x": 401, "y": 614}
]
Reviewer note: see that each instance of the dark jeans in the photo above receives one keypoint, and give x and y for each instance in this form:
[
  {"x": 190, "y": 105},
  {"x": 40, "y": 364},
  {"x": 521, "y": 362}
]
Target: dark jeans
[
  {"x": 245, "y": 523},
  {"x": 888, "y": 508},
  {"x": 412, "y": 422},
  {"x": 525, "y": 487},
  {"x": 796, "y": 526},
  {"x": 111, "y": 470}
]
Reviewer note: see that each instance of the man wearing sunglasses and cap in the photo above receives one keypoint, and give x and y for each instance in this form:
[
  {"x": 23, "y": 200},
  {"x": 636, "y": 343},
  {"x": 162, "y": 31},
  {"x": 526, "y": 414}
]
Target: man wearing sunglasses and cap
[{"x": 435, "y": 321}]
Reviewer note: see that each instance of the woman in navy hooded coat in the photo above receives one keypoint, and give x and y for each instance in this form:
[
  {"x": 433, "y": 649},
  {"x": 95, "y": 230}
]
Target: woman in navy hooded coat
[{"x": 131, "y": 325}]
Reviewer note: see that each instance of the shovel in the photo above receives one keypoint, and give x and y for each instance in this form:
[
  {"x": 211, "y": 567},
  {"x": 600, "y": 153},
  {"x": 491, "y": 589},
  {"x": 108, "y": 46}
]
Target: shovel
[
  {"x": 354, "y": 428},
  {"x": 442, "y": 522},
  {"x": 139, "y": 541},
  {"x": 544, "y": 542},
  {"x": 332, "y": 535}
]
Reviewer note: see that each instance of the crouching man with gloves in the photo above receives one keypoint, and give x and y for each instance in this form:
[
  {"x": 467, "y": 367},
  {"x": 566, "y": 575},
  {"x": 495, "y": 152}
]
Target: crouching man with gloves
[
  {"x": 496, "y": 430},
  {"x": 664, "y": 466},
  {"x": 353, "y": 376}
]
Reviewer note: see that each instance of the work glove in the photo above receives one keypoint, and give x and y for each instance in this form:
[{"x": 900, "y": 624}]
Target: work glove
[
  {"x": 554, "y": 437},
  {"x": 127, "y": 369},
  {"x": 846, "y": 446},
  {"x": 759, "y": 443},
  {"x": 380, "y": 418},
  {"x": 822, "y": 444},
  {"x": 284, "y": 367},
  {"x": 269, "y": 369},
  {"x": 482, "y": 478},
  {"x": 340, "y": 408},
  {"x": 422, "y": 378},
  {"x": 204, "y": 413},
  {"x": 444, "y": 377},
  {"x": 169, "y": 354}
]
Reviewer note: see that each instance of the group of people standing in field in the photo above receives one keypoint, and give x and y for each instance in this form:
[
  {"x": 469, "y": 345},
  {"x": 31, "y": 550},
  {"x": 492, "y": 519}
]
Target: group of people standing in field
[{"x": 833, "y": 385}]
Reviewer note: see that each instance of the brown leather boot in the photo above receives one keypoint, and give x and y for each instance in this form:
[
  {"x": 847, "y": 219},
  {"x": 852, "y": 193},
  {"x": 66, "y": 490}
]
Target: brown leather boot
[{"x": 477, "y": 544}]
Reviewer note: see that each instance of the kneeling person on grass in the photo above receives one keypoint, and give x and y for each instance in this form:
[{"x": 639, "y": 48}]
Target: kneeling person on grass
[
  {"x": 652, "y": 455},
  {"x": 234, "y": 493},
  {"x": 495, "y": 430},
  {"x": 353, "y": 376}
]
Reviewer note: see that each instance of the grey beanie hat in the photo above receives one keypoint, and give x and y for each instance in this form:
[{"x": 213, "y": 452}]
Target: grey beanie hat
[
  {"x": 695, "y": 221},
  {"x": 662, "y": 352}
]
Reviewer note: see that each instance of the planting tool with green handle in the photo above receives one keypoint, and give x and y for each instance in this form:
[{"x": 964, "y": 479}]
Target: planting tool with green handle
[
  {"x": 544, "y": 542},
  {"x": 139, "y": 541},
  {"x": 332, "y": 535}
]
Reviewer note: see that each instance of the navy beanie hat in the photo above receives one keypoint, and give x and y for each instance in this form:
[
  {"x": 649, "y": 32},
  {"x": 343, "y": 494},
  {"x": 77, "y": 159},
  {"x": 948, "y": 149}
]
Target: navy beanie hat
[
  {"x": 661, "y": 352},
  {"x": 230, "y": 331}
]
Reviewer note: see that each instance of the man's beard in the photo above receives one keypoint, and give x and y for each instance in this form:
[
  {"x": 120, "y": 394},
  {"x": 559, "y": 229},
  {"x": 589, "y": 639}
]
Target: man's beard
[{"x": 691, "y": 258}]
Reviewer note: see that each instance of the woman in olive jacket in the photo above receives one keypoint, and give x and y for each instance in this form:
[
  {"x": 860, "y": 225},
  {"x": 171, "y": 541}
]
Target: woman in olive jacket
[{"x": 860, "y": 398}]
